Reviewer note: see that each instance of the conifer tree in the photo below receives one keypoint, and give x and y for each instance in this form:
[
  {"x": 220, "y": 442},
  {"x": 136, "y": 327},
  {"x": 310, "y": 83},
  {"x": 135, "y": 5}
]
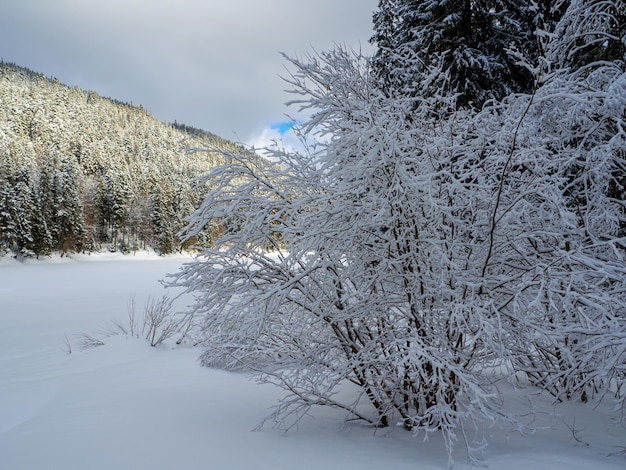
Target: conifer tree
[
  {"x": 469, "y": 39},
  {"x": 162, "y": 219},
  {"x": 68, "y": 216},
  {"x": 116, "y": 195},
  {"x": 18, "y": 213}
]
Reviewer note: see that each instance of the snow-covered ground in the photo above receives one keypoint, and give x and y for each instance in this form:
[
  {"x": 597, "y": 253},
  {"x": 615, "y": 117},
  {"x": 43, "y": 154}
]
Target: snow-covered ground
[{"x": 126, "y": 405}]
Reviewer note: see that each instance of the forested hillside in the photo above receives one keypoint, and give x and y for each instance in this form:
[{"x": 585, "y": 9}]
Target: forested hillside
[{"x": 79, "y": 172}]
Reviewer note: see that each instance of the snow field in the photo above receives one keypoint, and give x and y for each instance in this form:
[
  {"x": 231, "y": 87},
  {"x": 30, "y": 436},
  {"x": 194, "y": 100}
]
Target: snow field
[{"x": 126, "y": 405}]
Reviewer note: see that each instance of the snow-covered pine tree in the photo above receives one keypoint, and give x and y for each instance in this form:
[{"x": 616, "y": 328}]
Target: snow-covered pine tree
[
  {"x": 162, "y": 217},
  {"x": 68, "y": 217},
  {"x": 470, "y": 39},
  {"x": 115, "y": 197},
  {"x": 46, "y": 203},
  {"x": 18, "y": 212}
]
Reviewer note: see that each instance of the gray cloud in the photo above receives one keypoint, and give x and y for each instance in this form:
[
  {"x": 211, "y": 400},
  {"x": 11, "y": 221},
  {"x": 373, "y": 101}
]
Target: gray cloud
[{"x": 210, "y": 64}]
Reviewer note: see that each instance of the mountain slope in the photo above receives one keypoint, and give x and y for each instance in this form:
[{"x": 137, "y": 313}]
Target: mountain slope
[{"x": 79, "y": 172}]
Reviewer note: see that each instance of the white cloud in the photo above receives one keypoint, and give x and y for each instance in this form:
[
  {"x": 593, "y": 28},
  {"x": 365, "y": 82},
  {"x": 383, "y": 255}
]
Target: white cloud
[{"x": 270, "y": 137}]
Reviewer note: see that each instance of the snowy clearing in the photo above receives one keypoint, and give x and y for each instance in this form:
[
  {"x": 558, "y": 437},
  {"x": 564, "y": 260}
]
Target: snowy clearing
[{"x": 126, "y": 405}]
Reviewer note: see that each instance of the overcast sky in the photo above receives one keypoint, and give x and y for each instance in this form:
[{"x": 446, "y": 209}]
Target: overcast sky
[{"x": 212, "y": 64}]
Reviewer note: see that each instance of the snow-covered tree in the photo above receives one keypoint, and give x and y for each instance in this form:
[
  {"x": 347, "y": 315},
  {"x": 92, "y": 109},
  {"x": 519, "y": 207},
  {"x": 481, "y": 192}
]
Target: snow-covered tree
[
  {"x": 470, "y": 40},
  {"x": 576, "y": 126},
  {"x": 18, "y": 212},
  {"x": 68, "y": 217},
  {"x": 423, "y": 257},
  {"x": 358, "y": 263},
  {"x": 116, "y": 195},
  {"x": 589, "y": 31}
]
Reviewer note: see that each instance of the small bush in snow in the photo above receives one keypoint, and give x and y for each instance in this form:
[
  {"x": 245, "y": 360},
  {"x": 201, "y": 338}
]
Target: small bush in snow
[{"x": 159, "y": 320}]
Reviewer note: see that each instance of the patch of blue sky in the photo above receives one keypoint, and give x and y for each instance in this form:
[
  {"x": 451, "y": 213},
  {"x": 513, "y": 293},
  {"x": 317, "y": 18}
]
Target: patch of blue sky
[{"x": 283, "y": 127}]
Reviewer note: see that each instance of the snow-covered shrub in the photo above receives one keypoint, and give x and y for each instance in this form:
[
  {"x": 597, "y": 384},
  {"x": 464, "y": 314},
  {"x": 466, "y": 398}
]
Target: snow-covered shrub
[
  {"x": 157, "y": 323},
  {"x": 421, "y": 252},
  {"x": 383, "y": 232}
]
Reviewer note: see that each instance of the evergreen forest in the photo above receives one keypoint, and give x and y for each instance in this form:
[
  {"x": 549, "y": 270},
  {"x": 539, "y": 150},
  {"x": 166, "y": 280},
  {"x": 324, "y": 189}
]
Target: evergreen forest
[{"x": 83, "y": 173}]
